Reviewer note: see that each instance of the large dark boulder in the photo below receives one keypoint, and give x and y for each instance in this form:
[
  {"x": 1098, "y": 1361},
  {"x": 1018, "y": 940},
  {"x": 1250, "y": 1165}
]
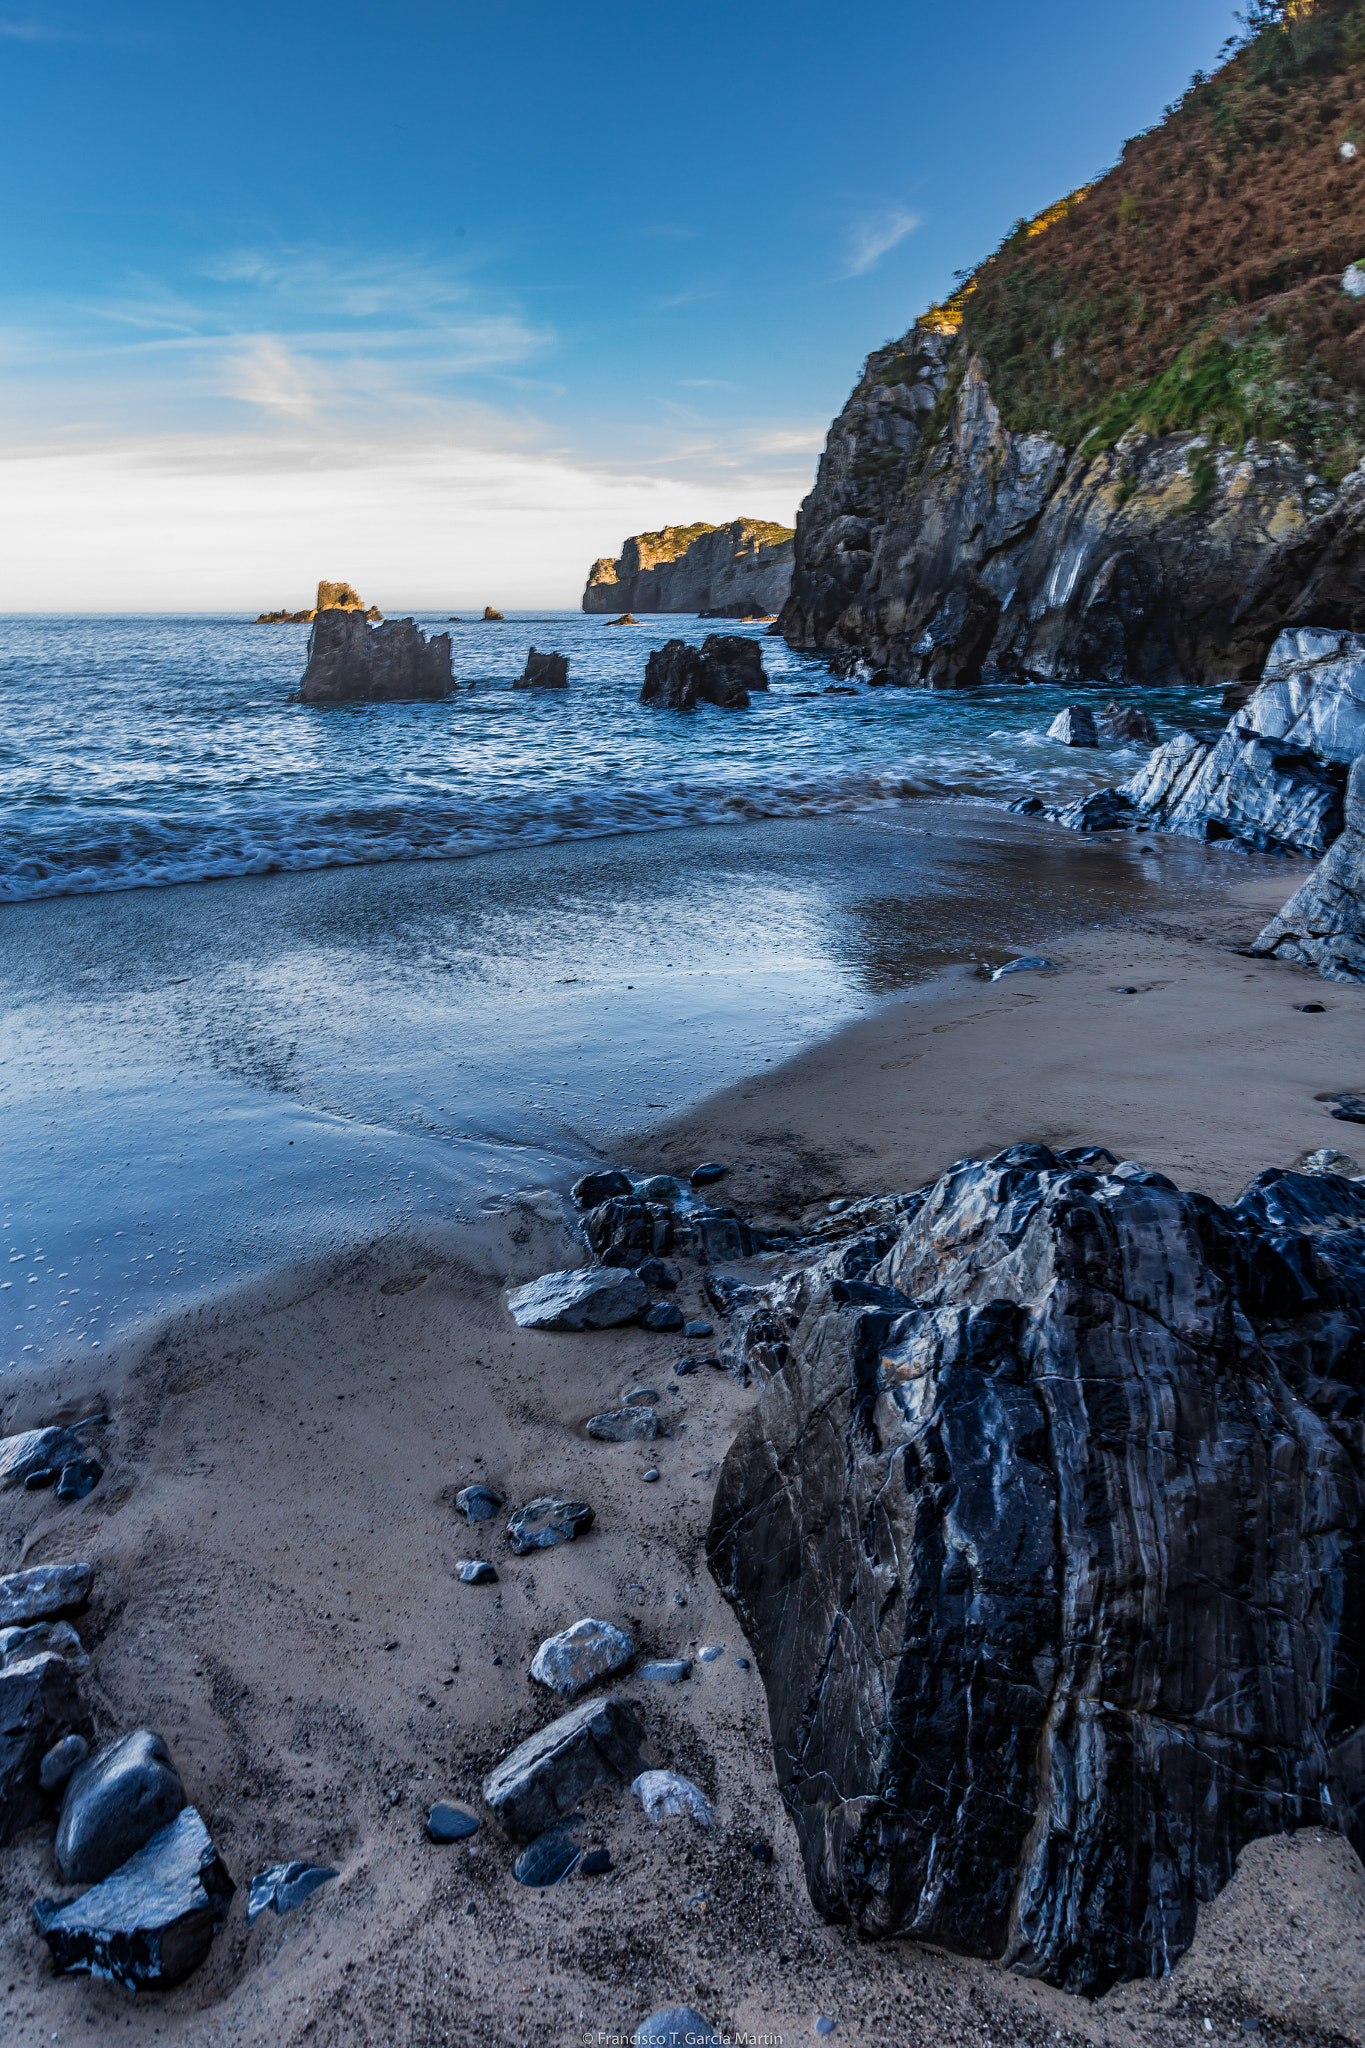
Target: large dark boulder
[
  {"x": 722, "y": 671},
  {"x": 153, "y": 1920},
  {"x": 350, "y": 661},
  {"x": 1049, "y": 1538},
  {"x": 114, "y": 1803},
  {"x": 40, "y": 1702}
]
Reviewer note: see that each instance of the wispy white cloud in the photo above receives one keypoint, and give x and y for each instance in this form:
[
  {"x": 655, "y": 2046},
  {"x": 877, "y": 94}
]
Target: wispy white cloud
[
  {"x": 875, "y": 236},
  {"x": 707, "y": 384}
]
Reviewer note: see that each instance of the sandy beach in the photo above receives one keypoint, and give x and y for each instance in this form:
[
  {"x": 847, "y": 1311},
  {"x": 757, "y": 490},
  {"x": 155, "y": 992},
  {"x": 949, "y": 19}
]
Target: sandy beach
[{"x": 275, "y": 1543}]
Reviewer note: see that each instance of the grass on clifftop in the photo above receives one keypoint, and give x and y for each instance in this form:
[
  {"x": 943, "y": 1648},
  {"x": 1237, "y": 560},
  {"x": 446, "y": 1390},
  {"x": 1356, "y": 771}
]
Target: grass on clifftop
[{"x": 1197, "y": 285}]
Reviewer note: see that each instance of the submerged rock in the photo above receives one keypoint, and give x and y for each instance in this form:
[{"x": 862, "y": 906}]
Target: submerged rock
[
  {"x": 40, "y": 1703},
  {"x": 544, "y": 1778},
  {"x": 544, "y": 672},
  {"x": 592, "y": 1298},
  {"x": 579, "y": 1655},
  {"x": 350, "y": 661},
  {"x": 284, "y": 1886},
  {"x": 722, "y": 671},
  {"x": 115, "y": 1803},
  {"x": 153, "y": 1921},
  {"x": 1045, "y": 1539},
  {"x": 45, "y": 1592},
  {"x": 545, "y": 1522},
  {"x": 1075, "y": 727}
]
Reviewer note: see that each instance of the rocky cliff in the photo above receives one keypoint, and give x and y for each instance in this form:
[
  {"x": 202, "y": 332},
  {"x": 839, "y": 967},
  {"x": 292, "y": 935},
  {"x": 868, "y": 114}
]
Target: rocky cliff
[
  {"x": 1130, "y": 445},
  {"x": 735, "y": 571}
]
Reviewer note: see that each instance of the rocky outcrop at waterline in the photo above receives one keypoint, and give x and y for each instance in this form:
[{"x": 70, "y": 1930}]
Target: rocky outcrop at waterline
[
  {"x": 1047, "y": 1533},
  {"x": 1129, "y": 447},
  {"x": 350, "y": 661},
  {"x": 742, "y": 570},
  {"x": 336, "y": 597},
  {"x": 721, "y": 671}
]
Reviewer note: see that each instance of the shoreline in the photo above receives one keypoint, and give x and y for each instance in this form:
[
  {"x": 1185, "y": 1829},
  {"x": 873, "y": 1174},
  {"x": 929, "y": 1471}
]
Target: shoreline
[{"x": 275, "y": 1542}]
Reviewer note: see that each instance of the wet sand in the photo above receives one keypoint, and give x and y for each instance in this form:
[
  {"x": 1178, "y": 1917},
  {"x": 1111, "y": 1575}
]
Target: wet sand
[{"x": 275, "y": 1542}]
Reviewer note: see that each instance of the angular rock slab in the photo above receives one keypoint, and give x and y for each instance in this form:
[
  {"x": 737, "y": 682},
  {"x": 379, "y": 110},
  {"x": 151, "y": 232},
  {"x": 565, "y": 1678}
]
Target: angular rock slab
[
  {"x": 545, "y": 1777},
  {"x": 153, "y": 1921},
  {"x": 1052, "y": 1570},
  {"x": 593, "y": 1298},
  {"x": 40, "y": 1702},
  {"x": 578, "y": 1656},
  {"x": 1323, "y": 923},
  {"x": 664, "y": 1793},
  {"x": 114, "y": 1803},
  {"x": 45, "y": 1592},
  {"x": 285, "y": 1886},
  {"x": 543, "y": 1523}
]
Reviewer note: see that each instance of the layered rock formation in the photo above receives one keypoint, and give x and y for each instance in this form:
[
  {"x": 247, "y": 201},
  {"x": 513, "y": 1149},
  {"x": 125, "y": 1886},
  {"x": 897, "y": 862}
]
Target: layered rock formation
[
  {"x": 742, "y": 570},
  {"x": 721, "y": 671},
  {"x": 1323, "y": 923},
  {"x": 350, "y": 661},
  {"x": 335, "y": 597},
  {"x": 1048, "y": 1534},
  {"x": 1129, "y": 446}
]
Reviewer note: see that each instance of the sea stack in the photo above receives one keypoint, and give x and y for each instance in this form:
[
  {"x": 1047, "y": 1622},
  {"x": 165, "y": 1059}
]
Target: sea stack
[
  {"x": 544, "y": 672},
  {"x": 350, "y": 661}
]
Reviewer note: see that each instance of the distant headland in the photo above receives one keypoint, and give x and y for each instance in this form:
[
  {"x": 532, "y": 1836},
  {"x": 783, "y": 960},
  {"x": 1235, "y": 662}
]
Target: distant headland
[{"x": 739, "y": 571}]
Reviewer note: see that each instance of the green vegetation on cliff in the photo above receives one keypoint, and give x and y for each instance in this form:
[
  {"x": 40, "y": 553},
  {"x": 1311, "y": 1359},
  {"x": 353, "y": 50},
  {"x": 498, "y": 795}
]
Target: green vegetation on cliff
[{"x": 1197, "y": 286}]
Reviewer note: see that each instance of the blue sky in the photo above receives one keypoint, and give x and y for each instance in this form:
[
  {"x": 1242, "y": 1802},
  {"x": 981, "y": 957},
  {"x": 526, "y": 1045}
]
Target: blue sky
[{"x": 449, "y": 300}]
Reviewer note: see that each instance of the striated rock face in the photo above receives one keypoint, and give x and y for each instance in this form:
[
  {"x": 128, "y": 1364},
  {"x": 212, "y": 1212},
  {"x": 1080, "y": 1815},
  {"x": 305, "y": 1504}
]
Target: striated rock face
[
  {"x": 940, "y": 544},
  {"x": 1323, "y": 923},
  {"x": 350, "y": 662},
  {"x": 1048, "y": 1536},
  {"x": 722, "y": 671},
  {"x": 742, "y": 570}
]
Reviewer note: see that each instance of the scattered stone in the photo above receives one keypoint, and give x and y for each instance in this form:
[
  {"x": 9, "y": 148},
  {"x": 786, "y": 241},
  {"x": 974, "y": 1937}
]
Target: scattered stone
[
  {"x": 685, "y": 1365},
  {"x": 544, "y": 1778},
  {"x": 549, "y": 1858},
  {"x": 639, "y": 1397},
  {"x": 478, "y": 1503},
  {"x": 544, "y": 1522},
  {"x": 1127, "y": 722},
  {"x": 1348, "y": 1109},
  {"x": 450, "y": 1824},
  {"x": 655, "y": 1273},
  {"x": 1016, "y": 1336},
  {"x": 351, "y": 661},
  {"x": 150, "y": 1923},
  {"x": 39, "y": 1702},
  {"x": 544, "y": 672},
  {"x": 1028, "y": 963},
  {"x": 1075, "y": 727},
  {"x": 710, "y": 1651},
  {"x": 595, "y": 1188},
  {"x": 45, "y": 1592},
  {"x": 697, "y": 1328},
  {"x": 595, "y": 1863},
  {"x": 114, "y": 1803},
  {"x": 1327, "y": 1161},
  {"x": 37, "y": 1481},
  {"x": 823, "y": 2025},
  {"x": 626, "y": 1231},
  {"x": 579, "y": 1655},
  {"x": 709, "y": 1170},
  {"x": 761, "y": 1852},
  {"x": 18, "y": 1642},
  {"x": 679, "y": 2026},
  {"x": 662, "y": 1315},
  {"x": 626, "y": 1426},
  {"x": 39, "y": 1450},
  {"x": 592, "y": 1298},
  {"x": 476, "y": 1571},
  {"x": 650, "y": 1476},
  {"x": 661, "y": 1187},
  {"x": 667, "y": 1670},
  {"x": 1313, "y": 1009},
  {"x": 79, "y": 1478},
  {"x": 743, "y": 1663},
  {"x": 284, "y": 1886},
  {"x": 60, "y": 1761},
  {"x": 662, "y": 1793}
]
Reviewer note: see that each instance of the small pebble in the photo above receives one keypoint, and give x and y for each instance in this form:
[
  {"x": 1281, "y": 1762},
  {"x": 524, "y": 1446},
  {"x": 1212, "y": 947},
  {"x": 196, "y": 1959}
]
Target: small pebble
[
  {"x": 595, "y": 1863},
  {"x": 639, "y": 1397},
  {"x": 497, "y": 1660},
  {"x": 476, "y": 1571},
  {"x": 651, "y": 1475},
  {"x": 667, "y": 1670},
  {"x": 684, "y": 1365},
  {"x": 450, "y": 1824},
  {"x": 698, "y": 1329},
  {"x": 548, "y": 1859},
  {"x": 743, "y": 1663},
  {"x": 1312, "y": 1009},
  {"x": 824, "y": 2026},
  {"x": 709, "y": 1170},
  {"x": 710, "y": 1651},
  {"x": 761, "y": 1852}
]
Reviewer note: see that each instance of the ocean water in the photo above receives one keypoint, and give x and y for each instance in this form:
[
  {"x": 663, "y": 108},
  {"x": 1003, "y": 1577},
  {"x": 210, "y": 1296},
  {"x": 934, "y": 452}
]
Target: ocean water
[{"x": 137, "y": 752}]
